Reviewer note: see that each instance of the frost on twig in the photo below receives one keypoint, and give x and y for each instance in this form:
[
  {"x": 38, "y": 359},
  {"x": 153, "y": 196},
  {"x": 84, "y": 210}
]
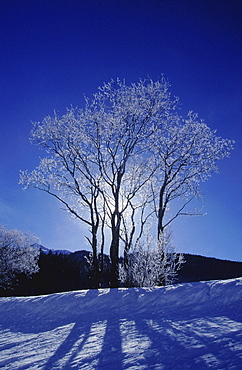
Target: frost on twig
[{"x": 151, "y": 263}]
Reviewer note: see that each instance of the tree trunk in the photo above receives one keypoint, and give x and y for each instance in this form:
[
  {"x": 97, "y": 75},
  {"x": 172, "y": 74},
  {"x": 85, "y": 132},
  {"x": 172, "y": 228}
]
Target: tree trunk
[
  {"x": 114, "y": 265},
  {"x": 161, "y": 210},
  {"x": 160, "y": 230},
  {"x": 114, "y": 249},
  {"x": 95, "y": 264},
  {"x": 95, "y": 272}
]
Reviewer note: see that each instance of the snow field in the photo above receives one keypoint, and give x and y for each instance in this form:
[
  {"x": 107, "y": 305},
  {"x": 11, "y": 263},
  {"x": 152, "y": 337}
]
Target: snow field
[{"x": 186, "y": 326}]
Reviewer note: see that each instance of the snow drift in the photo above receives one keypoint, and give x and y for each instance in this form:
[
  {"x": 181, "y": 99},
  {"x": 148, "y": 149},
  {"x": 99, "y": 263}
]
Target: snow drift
[{"x": 192, "y": 326}]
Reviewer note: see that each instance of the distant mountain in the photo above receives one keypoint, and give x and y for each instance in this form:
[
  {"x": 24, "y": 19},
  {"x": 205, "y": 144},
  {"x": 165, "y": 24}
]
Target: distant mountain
[
  {"x": 55, "y": 251},
  {"x": 82, "y": 255}
]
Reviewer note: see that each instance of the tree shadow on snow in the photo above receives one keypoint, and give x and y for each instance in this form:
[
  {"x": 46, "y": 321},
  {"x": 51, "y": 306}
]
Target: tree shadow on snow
[
  {"x": 78, "y": 348},
  {"x": 71, "y": 345},
  {"x": 116, "y": 337}
]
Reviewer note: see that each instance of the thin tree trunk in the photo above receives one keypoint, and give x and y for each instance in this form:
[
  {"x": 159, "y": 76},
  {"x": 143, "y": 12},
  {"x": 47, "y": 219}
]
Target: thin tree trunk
[
  {"x": 162, "y": 208},
  {"x": 114, "y": 249},
  {"x": 95, "y": 264}
]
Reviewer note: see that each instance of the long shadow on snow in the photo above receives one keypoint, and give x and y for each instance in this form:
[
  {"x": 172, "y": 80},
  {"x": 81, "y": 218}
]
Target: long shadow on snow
[
  {"x": 189, "y": 342},
  {"x": 111, "y": 350},
  {"x": 169, "y": 344},
  {"x": 69, "y": 346},
  {"x": 174, "y": 340}
]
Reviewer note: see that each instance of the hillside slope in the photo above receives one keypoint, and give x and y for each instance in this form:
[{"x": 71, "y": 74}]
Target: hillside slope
[{"x": 187, "y": 326}]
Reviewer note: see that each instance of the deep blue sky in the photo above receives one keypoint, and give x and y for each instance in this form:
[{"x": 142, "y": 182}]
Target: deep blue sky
[{"x": 53, "y": 52}]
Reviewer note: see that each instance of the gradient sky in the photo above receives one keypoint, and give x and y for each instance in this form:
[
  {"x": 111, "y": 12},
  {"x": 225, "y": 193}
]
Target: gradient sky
[{"x": 53, "y": 52}]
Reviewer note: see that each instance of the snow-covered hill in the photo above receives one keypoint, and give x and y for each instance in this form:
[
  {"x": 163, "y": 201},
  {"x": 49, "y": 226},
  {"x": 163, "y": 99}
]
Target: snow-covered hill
[
  {"x": 55, "y": 251},
  {"x": 187, "y": 326}
]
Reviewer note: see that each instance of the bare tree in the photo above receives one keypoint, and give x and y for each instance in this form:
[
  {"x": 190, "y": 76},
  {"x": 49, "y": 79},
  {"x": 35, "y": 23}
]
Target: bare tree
[
  {"x": 18, "y": 254},
  {"x": 93, "y": 155},
  {"x": 124, "y": 121},
  {"x": 69, "y": 172},
  {"x": 123, "y": 158}
]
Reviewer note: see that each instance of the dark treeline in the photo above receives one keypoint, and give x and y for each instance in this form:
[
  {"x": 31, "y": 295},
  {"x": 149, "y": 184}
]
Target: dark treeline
[
  {"x": 66, "y": 272},
  {"x": 57, "y": 273},
  {"x": 200, "y": 268}
]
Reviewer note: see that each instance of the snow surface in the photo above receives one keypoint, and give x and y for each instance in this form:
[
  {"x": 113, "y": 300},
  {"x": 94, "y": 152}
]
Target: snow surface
[{"x": 185, "y": 326}]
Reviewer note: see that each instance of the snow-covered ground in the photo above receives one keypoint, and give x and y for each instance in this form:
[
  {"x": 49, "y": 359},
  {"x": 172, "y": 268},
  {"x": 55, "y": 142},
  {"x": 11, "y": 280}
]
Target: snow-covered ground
[{"x": 187, "y": 326}]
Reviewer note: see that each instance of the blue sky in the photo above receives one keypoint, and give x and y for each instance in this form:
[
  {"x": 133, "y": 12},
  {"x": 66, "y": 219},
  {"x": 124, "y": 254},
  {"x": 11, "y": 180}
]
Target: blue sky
[{"x": 53, "y": 52}]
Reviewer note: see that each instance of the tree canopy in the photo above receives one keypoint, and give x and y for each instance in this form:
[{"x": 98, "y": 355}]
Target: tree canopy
[{"x": 18, "y": 255}]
